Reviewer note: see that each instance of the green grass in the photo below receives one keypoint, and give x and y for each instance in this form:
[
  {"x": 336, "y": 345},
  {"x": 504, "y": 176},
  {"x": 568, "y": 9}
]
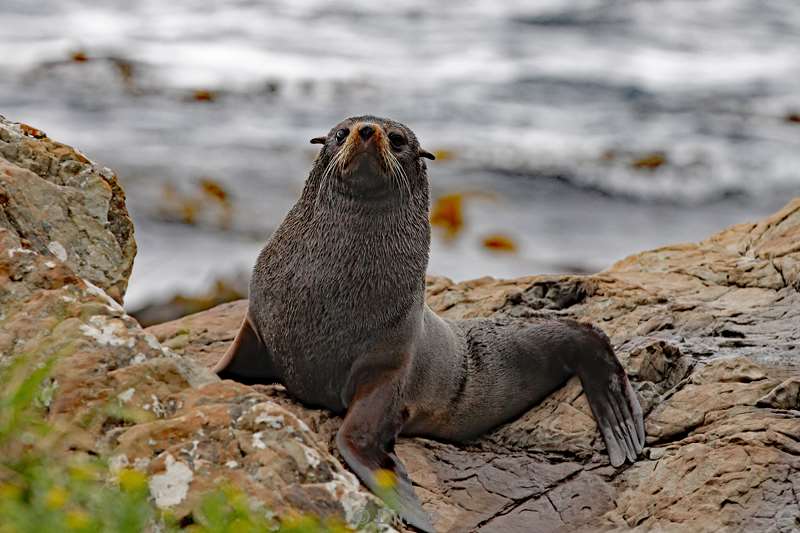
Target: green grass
[{"x": 46, "y": 488}]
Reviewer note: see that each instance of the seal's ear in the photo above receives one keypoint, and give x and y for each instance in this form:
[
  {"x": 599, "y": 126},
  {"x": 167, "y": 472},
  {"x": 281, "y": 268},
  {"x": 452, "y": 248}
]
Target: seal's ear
[
  {"x": 318, "y": 140},
  {"x": 426, "y": 154}
]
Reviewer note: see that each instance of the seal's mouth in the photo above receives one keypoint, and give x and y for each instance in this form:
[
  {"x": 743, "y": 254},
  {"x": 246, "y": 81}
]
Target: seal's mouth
[{"x": 364, "y": 162}]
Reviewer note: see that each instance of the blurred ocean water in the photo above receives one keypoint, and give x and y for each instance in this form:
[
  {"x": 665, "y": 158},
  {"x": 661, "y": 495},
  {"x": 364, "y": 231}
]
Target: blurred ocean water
[{"x": 591, "y": 129}]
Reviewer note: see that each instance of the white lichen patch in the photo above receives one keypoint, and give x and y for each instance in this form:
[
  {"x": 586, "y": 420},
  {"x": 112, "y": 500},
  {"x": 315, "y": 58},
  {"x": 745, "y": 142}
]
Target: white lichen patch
[
  {"x": 117, "y": 463},
  {"x": 58, "y": 250},
  {"x": 276, "y": 417},
  {"x": 105, "y": 332},
  {"x": 358, "y": 510},
  {"x": 170, "y": 488},
  {"x": 139, "y": 358},
  {"x": 311, "y": 455},
  {"x": 257, "y": 441},
  {"x": 273, "y": 421},
  {"x": 14, "y": 251},
  {"x": 152, "y": 342},
  {"x": 303, "y": 426},
  {"x": 155, "y": 407},
  {"x": 49, "y": 264},
  {"x": 126, "y": 395},
  {"x": 192, "y": 452},
  {"x": 91, "y": 288},
  {"x": 231, "y": 464}
]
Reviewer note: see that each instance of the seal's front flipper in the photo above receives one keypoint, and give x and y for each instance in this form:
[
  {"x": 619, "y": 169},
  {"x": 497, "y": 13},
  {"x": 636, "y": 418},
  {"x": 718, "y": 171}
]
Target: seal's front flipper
[
  {"x": 366, "y": 442},
  {"x": 247, "y": 360},
  {"x": 619, "y": 415}
]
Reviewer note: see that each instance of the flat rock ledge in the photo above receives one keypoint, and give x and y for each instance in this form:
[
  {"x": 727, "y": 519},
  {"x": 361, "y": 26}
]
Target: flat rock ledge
[{"x": 708, "y": 331}]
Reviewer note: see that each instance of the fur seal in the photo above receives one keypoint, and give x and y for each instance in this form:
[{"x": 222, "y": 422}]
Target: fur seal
[{"x": 337, "y": 314}]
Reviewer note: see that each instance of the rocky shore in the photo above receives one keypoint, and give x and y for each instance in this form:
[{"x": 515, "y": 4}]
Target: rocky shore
[{"x": 709, "y": 332}]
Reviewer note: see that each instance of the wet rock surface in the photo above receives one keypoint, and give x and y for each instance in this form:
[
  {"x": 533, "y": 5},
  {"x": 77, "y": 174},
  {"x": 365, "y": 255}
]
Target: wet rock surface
[{"x": 708, "y": 331}]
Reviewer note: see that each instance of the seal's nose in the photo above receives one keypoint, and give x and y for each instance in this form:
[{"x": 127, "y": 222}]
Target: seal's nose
[{"x": 366, "y": 132}]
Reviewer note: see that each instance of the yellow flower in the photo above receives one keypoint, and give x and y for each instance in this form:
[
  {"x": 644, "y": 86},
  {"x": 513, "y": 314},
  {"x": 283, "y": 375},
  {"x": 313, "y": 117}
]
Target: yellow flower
[
  {"x": 8, "y": 528},
  {"x": 385, "y": 478},
  {"x": 131, "y": 480},
  {"x": 82, "y": 472},
  {"x": 239, "y": 525},
  {"x": 78, "y": 519},
  {"x": 56, "y": 497},
  {"x": 299, "y": 522},
  {"x": 9, "y": 491}
]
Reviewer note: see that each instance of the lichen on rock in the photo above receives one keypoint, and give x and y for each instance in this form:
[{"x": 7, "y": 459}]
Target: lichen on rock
[{"x": 57, "y": 202}]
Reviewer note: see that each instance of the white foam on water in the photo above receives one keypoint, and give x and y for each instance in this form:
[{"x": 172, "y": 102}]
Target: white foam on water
[{"x": 525, "y": 93}]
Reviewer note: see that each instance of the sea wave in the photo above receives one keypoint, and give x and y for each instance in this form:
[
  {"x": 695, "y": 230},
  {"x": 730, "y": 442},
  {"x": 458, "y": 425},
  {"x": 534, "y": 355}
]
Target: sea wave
[{"x": 617, "y": 105}]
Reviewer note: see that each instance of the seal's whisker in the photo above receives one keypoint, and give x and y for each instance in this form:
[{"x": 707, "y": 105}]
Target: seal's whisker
[
  {"x": 400, "y": 172},
  {"x": 332, "y": 166},
  {"x": 337, "y": 166},
  {"x": 404, "y": 179},
  {"x": 326, "y": 173},
  {"x": 389, "y": 164}
]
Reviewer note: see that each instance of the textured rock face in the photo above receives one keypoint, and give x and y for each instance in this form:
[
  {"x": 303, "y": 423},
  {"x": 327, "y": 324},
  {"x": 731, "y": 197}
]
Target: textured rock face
[
  {"x": 148, "y": 408},
  {"x": 708, "y": 331},
  {"x": 59, "y": 203},
  {"x": 130, "y": 398}
]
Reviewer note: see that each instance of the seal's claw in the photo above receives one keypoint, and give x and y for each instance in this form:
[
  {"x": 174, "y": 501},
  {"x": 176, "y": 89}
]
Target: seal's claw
[
  {"x": 390, "y": 483},
  {"x": 399, "y": 495},
  {"x": 366, "y": 442}
]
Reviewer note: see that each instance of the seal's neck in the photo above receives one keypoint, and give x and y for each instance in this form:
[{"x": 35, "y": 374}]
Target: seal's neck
[
  {"x": 382, "y": 243},
  {"x": 397, "y": 210}
]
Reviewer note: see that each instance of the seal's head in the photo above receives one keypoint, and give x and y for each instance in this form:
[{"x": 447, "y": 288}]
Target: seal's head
[{"x": 370, "y": 157}]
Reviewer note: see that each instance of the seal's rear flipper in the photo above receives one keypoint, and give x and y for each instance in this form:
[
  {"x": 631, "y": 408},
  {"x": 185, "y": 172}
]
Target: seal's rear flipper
[
  {"x": 366, "y": 442},
  {"x": 619, "y": 416},
  {"x": 247, "y": 360}
]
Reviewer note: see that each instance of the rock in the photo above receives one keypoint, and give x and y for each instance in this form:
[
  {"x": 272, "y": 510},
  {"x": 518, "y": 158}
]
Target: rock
[
  {"x": 58, "y": 203},
  {"x": 784, "y": 396},
  {"x": 142, "y": 405},
  {"x": 123, "y": 394},
  {"x": 708, "y": 332},
  {"x": 202, "y": 337},
  {"x": 658, "y": 362}
]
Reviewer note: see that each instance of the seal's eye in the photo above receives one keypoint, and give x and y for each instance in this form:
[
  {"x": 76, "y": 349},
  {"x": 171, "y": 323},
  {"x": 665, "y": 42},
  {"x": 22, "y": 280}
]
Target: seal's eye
[
  {"x": 341, "y": 135},
  {"x": 397, "y": 140}
]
